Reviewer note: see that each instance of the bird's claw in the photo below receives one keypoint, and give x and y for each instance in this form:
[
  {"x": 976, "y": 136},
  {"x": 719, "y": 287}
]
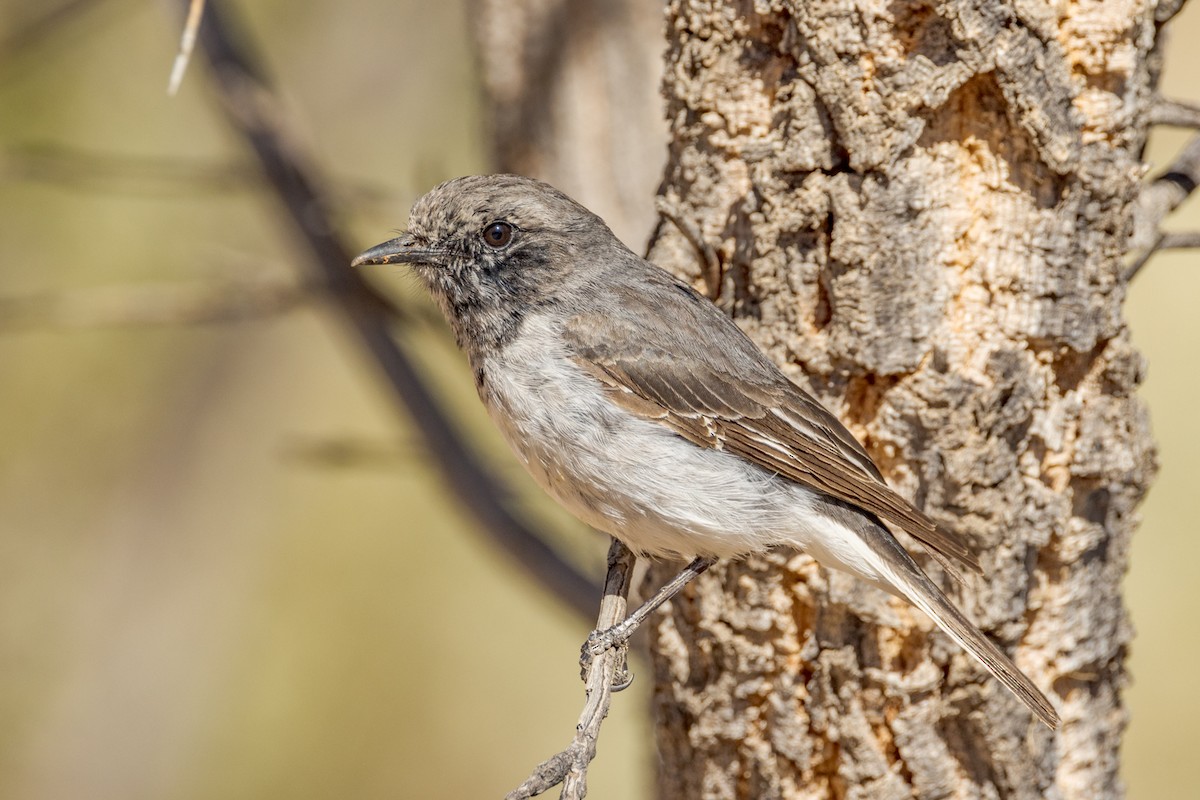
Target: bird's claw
[
  {"x": 622, "y": 678},
  {"x": 597, "y": 644}
]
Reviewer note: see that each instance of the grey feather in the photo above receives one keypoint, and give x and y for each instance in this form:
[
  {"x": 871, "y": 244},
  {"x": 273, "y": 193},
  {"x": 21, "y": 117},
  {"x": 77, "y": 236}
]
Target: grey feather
[
  {"x": 912, "y": 584},
  {"x": 645, "y": 411},
  {"x": 705, "y": 379}
]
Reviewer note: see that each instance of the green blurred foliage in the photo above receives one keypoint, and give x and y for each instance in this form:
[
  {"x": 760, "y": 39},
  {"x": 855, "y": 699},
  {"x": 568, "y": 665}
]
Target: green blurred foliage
[{"x": 225, "y": 569}]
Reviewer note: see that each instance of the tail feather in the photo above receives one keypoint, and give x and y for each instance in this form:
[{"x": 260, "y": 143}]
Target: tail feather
[{"x": 912, "y": 584}]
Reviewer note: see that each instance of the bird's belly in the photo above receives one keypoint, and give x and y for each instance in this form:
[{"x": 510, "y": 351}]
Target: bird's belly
[{"x": 635, "y": 478}]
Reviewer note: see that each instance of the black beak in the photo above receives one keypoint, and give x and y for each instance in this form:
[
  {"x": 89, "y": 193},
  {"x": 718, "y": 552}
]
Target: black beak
[{"x": 403, "y": 249}]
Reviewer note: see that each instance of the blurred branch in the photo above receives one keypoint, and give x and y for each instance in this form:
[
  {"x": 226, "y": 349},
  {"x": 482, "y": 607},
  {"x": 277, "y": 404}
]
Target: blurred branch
[
  {"x": 1163, "y": 241},
  {"x": 109, "y": 172},
  {"x": 64, "y": 16},
  {"x": 1175, "y": 113},
  {"x": 186, "y": 43},
  {"x": 1166, "y": 10},
  {"x": 369, "y": 316},
  {"x": 42, "y": 26},
  {"x": 152, "y": 305},
  {"x": 1180, "y": 240},
  {"x": 352, "y": 451},
  {"x": 570, "y": 766},
  {"x": 81, "y": 169},
  {"x": 1158, "y": 199}
]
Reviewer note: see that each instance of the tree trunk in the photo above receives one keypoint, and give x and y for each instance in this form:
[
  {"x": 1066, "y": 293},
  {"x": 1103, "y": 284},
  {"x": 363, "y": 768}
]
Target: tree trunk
[{"x": 920, "y": 209}]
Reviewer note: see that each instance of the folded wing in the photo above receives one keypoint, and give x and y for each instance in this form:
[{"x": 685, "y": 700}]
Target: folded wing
[{"x": 737, "y": 402}]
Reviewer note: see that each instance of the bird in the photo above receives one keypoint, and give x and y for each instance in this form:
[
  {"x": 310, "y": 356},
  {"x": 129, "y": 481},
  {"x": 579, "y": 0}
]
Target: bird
[{"x": 645, "y": 410}]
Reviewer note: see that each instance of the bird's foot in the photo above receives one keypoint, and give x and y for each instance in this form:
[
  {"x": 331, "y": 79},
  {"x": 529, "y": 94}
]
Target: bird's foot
[{"x": 600, "y": 642}]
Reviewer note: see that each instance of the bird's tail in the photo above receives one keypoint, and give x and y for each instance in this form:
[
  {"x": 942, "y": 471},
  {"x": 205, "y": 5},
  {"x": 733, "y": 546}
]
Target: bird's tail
[{"x": 911, "y": 583}]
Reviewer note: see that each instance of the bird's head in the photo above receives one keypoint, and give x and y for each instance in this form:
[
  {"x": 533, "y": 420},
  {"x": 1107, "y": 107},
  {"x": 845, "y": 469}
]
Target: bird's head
[{"x": 491, "y": 248}]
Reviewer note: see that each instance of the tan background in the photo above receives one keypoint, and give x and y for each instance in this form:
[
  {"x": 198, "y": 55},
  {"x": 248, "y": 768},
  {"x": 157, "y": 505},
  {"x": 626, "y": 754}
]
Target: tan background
[{"x": 224, "y": 569}]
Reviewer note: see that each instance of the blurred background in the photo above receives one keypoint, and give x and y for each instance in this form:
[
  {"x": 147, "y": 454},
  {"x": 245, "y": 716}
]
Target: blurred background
[{"x": 226, "y": 567}]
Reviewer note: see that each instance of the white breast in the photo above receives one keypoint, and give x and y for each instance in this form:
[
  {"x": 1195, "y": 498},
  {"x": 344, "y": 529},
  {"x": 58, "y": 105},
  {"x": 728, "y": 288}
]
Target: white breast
[{"x": 630, "y": 477}]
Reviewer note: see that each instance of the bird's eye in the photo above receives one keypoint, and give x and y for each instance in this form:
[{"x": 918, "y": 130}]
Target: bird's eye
[{"x": 498, "y": 235}]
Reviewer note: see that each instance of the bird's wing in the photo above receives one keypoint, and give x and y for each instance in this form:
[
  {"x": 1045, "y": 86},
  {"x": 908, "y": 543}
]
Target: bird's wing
[{"x": 737, "y": 401}]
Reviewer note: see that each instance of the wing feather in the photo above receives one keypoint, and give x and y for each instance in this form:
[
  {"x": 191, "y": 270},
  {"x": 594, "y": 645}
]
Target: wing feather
[{"x": 760, "y": 416}]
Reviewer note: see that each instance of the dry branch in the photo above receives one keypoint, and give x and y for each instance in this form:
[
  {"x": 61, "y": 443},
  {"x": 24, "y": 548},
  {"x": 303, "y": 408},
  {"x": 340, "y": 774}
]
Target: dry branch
[
  {"x": 1174, "y": 113},
  {"x": 148, "y": 304},
  {"x": 187, "y": 43},
  {"x": 156, "y": 176},
  {"x": 41, "y": 27},
  {"x": 1167, "y": 10},
  {"x": 1180, "y": 240},
  {"x": 252, "y": 111},
  {"x": 1158, "y": 199},
  {"x": 569, "y": 767}
]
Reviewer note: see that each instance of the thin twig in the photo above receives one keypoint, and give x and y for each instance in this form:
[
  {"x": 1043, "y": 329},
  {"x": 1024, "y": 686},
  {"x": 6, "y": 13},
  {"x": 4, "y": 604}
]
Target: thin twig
[
  {"x": 710, "y": 262},
  {"x": 370, "y": 316},
  {"x": 149, "y": 304},
  {"x": 113, "y": 173},
  {"x": 37, "y": 30},
  {"x": 1180, "y": 240},
  {"x": 1183, "y": 240},
  {"x": 1143, "y": 258},
  {"x": 1158, "y": 199},
  {"x": 181, "y": 303},
  {"x": 1167, "y": 9},
  {"x": 570, "y": 766},
  {"x": 1176, "y": 113},
  {"x": 186, "y": 44},
  {"x": 157, "y": 176}
]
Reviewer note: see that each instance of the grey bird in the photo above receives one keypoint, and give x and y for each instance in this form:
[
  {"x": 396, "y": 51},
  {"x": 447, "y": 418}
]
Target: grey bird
[{"x": 646, "y": 412}]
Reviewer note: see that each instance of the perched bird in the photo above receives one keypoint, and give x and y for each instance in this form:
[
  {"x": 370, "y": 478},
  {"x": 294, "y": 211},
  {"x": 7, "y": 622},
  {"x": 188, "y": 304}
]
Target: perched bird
[{"x": 647, "y": 413}]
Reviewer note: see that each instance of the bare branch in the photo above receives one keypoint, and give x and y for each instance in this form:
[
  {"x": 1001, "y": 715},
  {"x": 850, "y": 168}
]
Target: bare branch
[
  {"x": 1163, "y": 241},
  {"x": 353, "y": 451},
  {"x": 1167, "y": 9},
  {"x": 89, "y": 170},
  {"x": 1143, "y": 258},
  {"x": 186, "y": 44},
  {"x": 1181, "y": 240},
  {"x": 369, "y": 316},
  {"x": 1175, "y": 113},
  {"x": 107, "y": 172},
  {"x": 710, "y": 262},
  {"x": 570, "y": 766},
  {"x": 164, "y": 304},
  {"x": 1159, "y": 198},
  {"x": 39, "y": 28}
]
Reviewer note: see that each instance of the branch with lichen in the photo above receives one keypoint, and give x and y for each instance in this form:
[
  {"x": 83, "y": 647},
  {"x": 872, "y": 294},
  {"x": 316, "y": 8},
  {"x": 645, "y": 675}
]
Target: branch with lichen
[{"x": 569, "y": 767}]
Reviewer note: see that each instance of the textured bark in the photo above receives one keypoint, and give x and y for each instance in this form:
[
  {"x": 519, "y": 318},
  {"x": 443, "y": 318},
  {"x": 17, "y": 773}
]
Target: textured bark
[{"x": 921, "y": 210}]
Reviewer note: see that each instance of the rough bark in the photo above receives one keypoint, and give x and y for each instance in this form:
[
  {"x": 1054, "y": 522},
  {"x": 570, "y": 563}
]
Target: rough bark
[{"x": 921, "y": 210}]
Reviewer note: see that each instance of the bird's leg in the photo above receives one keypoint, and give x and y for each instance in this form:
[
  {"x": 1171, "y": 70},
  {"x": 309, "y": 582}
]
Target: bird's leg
[{"x": 618, "y": 634}]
